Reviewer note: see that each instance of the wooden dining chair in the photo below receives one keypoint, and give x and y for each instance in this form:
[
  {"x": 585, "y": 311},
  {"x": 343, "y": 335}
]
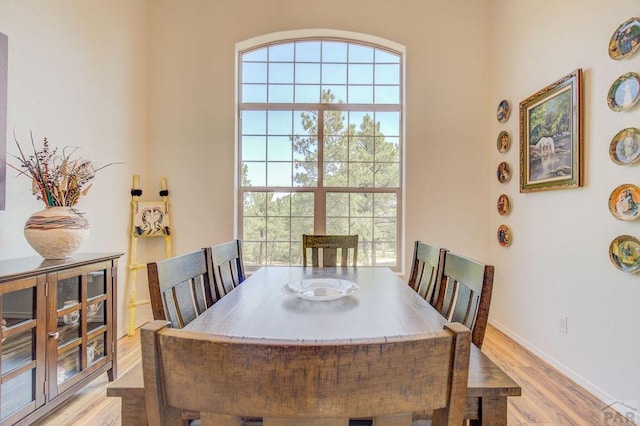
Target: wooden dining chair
[
  {"x": 226, "y": 379},
  {"x": 426, "y": 270},
  {"x": 329, "y": 246},
  {"x": 228, "y": 268},
  {"x": 181, "y": 287},
  {"x": 465, "y": 294}
]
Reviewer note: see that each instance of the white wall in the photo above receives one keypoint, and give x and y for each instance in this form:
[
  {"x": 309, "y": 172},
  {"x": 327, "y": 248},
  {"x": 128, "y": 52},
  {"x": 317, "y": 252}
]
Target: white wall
[
  {"x": 559, "y": 262},
  {"x": 78, "y": 76}
]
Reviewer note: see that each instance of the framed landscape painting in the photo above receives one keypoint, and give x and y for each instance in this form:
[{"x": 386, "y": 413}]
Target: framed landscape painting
[{"x": 551, "y": 136}]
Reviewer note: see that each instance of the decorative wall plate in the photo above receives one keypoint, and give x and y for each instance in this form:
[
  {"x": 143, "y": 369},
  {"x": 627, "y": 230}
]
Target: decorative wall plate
[
  {"x": 625, "y": 40},
  {"x": 504, "y": 141},
  {"x": 624, "y": 202},
  {"x": 625, "y": 147},
  {"x": 504, "y": 172},
  {"x": 624, "y": 253},
  {"x": 624, "y": 92},
  {"x": 504, "y": 109},
  {"x": 504, "y": 205},
  {"x": 504, "y": 235}
]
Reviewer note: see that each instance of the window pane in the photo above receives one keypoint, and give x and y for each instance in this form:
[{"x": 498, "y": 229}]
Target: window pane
[
  {"x": 387, "y": 94},
  {"x": 280, "y": 93},
  {"x": 253, "y": 148},
  {"x": 254, "y": 204},
  {"x": 280, "y": 73},
  {"x": 278, "y": 203},
  {"x": 254, "y": 174},
  {"x": 278, "y": 228},
  {"x": 305, "y": 122},
  {"x": 254, "y": 122},
  {"x": 360, "y": 74},
  {"x": 387, "y": 149},
  {"x": 254, "y": 93},
  {"x": 279, "y": 253},
  {"x": 334, "y": 74},
  {"x": 385, "y": 205},
  {"x": 332, "y": 94},
  {"x": 302, "y": 204},
  {"x": 279, "y": 148},
  {"x": 360, "y": 53},
  {"x": 338, "y": 225},
  {"x": 387, "y": 57},
  {"x": 360, "y": 94},
  {"x": 254, "y": 228},
  {"x": 305, "y": 174},
  {"x": 361, "y": 149},
  {"x": 281, "y": 52},
  {"x": 336, "y": 174},
  {"x": 307, "y": 94},
  {"x": 334, "y": 51},
  {"x": 361, "y": 205},
  {"x": 308, "y": 73},
  {"x": 255, "y": 55},
  {"x": 299, "y": 226},
  {"x": 254, "y": 72},
  {"x": 361, "y": 174},
  {"x": 336, "y": 148},
  {"x": 280, "y": 122},
  {"x": 335, "y": 123},
  {"x": 387, "y": 175},
  {"x": 308, "y": 51},
  {"x": 305, "y": 148},
  {"x": 388, "y": 74},
  {"x": 279, "y": 174},
  {"x": 337, "y": 204},
  {"x": 389, "y": 123}
]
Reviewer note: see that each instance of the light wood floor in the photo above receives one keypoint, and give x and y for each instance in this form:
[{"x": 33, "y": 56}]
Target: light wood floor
[{"x": 548, "y": 398}]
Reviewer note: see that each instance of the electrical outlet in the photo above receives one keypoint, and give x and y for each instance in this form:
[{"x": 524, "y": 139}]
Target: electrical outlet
[{"x": 562, "y": 322}]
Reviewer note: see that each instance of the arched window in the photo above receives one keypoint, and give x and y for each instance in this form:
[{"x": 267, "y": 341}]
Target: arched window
[{"x": 320, "y": 148}]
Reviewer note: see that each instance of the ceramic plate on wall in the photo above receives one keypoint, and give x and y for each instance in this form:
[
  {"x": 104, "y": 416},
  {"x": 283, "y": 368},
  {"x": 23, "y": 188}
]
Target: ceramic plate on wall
[
  {"x": 624, "y": 202},
  {"x": 625, "y": 40},
  {"x": 504, "y": 109},
  {"x": 624, "y": 92},
  {"x": 504, "y": 141},
  {"x": 504, "y": 205},
  {"x": 504, "y": 172},
  {"x": 624, "y": 253},
  {"x": 504, "y": 235},
  {"x": 625, "y": 147}
]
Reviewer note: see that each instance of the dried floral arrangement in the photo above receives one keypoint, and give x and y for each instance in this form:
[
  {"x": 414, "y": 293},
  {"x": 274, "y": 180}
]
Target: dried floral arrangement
[{"x": 57, "y": 179}]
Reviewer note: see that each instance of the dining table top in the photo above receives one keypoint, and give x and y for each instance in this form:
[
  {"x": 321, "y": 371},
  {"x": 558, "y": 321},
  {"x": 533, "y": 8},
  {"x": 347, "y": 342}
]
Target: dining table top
[{"x": 383, "y": 307}]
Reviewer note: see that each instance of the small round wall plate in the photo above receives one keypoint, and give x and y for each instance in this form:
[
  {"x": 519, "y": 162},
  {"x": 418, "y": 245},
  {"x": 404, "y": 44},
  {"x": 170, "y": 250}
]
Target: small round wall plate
[
  {"x": 624, "y": 202},
  {"x": 504, "y": 205},
  {"x": 625, "y": 147},
  {"x": 624, "y": 92},
  {"x": 504, "y": 172},
  {"x": 504, "y": 235},
  {"x": 624, "y": 253},
  {"x": 625, "y": 40},
  {"x": 504, "y": 141},
  {"x": 504, "y": 109}
]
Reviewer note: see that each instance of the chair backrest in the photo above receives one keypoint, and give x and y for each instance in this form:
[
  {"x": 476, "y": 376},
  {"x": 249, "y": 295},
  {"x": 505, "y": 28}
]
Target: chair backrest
[
  {"x": 181, "y": 287},
  {"x": 426, "y": 270},
  {"x": 465, "y": 294},
  {"x": 329, "y": 245},
  {"x": 290, "y": 384},
  {"x": 228, "y": 269}
]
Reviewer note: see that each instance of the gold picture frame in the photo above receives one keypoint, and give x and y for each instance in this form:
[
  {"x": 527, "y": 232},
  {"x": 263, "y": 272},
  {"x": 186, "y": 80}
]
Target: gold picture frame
[{"x": 551, "y": 136}]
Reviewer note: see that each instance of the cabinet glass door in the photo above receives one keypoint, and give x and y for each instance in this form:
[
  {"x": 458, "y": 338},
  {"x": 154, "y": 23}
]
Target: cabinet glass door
[
  {"x": 18, "y": 365},
  {"x": 81, "y": 325}
]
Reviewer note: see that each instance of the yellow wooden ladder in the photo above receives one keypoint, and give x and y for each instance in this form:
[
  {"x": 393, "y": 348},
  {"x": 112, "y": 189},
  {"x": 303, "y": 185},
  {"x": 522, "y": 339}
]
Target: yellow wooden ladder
[{"x": 148, "y": 219}]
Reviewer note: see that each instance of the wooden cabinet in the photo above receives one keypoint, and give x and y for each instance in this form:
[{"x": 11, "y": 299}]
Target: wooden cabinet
[{"x": 58, "y": 330}]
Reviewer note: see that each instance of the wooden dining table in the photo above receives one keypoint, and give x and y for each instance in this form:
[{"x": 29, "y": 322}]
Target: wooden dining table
[{"x": 383, "y": 306}]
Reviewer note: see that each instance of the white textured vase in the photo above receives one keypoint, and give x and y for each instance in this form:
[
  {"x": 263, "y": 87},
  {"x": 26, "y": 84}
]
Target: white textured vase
[{"x": 56, "y": 232}]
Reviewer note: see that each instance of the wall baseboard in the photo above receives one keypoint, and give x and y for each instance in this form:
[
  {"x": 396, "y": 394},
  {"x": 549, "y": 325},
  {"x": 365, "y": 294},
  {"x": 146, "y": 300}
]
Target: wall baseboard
[{"x": 606, "y": 398}]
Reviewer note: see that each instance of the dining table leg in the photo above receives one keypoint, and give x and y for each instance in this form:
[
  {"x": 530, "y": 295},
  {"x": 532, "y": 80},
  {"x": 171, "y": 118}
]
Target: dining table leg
[{"x": 493, "y": 412}]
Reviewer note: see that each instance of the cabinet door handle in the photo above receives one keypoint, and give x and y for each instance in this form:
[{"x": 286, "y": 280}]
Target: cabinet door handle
[{"x": 55, "y": 335}]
